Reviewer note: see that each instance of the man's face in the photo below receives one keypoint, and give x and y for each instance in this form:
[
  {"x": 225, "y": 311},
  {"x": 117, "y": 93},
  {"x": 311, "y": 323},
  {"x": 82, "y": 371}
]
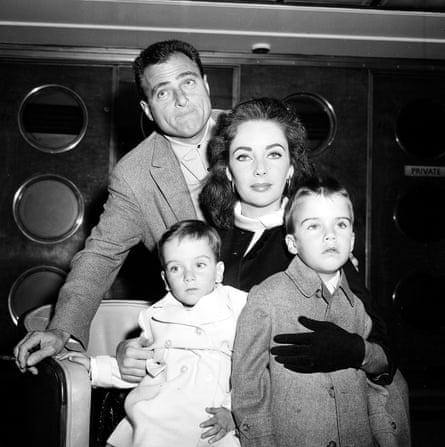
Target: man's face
[{"x": 178, "y": 98}]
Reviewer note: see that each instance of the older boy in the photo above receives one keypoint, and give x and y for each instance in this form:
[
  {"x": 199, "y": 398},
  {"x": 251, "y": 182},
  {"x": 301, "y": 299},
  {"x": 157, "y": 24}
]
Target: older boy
[{"x": 274, "y": 405}]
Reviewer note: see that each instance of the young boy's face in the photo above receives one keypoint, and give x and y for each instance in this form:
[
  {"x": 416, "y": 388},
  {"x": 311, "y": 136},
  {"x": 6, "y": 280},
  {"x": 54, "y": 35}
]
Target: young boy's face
[
  {"x": 323, "y": 236},
  {"x": 191, "y": 270}
]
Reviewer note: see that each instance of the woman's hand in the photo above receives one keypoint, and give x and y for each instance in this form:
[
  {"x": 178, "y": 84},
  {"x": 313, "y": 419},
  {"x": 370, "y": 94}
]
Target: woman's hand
[
  {"x": 220, "y": 424},
  {"x": 327, "y": 348}
]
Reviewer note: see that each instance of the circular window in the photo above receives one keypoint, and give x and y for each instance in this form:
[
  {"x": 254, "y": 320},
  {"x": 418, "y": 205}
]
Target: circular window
[
  {"x": 420, "y": 213},
  {"x": 318, "y": 117},
  {"x": 53, "y": 118},
  {"x": 419, "y": 128},
  {"x": 418, "y": 300},
  {"x": 48, "y": 208},
  {"x": 33, "y": 288}
]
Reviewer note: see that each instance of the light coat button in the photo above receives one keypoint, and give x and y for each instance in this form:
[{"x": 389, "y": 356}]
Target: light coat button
[
  {"x": 331, "y": 393},
  {"x": 168, "y": 343},
  {"x": 198, "y": 331},
  {"x": 184, "y": 369}
]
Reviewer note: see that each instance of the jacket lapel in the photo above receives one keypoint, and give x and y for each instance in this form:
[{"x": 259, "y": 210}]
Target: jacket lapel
[{"x": 167, "y": 174}]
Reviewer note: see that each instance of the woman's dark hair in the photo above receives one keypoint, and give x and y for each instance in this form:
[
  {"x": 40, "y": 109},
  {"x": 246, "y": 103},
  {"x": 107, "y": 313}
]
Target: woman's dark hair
[
  {"x": 217, "y": 198},
  {"x": 159, "y": 53}
]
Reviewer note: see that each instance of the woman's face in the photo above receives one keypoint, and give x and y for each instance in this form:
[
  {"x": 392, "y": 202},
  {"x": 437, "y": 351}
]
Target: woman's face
[{"x": 259, "y": 166}]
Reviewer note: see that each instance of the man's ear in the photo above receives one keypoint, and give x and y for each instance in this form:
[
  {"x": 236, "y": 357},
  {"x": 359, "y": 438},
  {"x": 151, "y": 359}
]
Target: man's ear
[
  {"x": 291, "y": 243},
  {"x": 167, "y": 287},
  {"x": 219, "y": 272},
  {"x": 206, "y": 84},
  {"x": 146, "y": 108}
]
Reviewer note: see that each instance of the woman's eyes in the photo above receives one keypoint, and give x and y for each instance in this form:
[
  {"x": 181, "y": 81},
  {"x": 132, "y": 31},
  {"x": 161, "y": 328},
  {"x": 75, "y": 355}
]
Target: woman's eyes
[
  {"x": 242, "y": 157},
  {"x": 274, "y": 154}
]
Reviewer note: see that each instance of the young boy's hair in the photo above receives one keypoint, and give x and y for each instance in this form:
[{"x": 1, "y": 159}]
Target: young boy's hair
[
  {"x": 318, "y": 185},
  {"x": 194, "y": 229}
]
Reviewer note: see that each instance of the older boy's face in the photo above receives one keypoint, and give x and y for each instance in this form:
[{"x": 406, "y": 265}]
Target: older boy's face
[
  {"x": 323, "y": 236},
  {"x": 191, "y": 270}
]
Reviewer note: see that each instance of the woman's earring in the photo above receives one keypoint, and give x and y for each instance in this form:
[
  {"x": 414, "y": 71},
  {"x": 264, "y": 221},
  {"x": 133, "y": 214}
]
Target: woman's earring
[
  {"x": 232, "y": 184},
  {"x": 288, "y": 182}
]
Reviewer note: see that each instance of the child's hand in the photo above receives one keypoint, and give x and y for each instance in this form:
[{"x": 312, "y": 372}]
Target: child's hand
[
  {"x": 221, "y": 423},
  {"x": 77, "y": 357}
]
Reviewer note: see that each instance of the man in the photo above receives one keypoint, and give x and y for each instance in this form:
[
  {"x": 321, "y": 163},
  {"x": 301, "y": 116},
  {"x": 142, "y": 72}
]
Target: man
[{"x": 153, "y": 186}]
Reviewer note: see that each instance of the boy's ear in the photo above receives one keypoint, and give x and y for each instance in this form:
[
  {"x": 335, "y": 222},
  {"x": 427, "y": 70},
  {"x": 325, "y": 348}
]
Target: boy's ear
[
  {"x": 352, "y": 242},
  {"x": 219, "y": 272},
  {"x": 291, "y": 243},
  {"x": 167, "y": 287}
]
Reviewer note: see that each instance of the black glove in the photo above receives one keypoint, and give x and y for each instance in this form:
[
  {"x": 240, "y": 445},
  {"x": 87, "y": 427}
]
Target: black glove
[{"x": 328, "y": 348}]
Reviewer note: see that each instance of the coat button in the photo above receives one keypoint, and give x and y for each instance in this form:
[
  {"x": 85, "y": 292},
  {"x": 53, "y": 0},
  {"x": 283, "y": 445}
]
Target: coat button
[
  {"x": 168, "y": 343},
  {"x": 245, "y": 427},
  {"x": 198, "y": 331},
  {"x": 393, "y": 425},
  {"x": 331, "y": 393},
  {"x": 332, "y": 444}
]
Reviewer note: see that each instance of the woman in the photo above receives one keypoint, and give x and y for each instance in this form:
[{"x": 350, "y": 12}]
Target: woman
[{"x": 256, "y": 158}]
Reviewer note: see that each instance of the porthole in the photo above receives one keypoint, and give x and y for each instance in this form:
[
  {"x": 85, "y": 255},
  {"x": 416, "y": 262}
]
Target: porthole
[
  {"x": 53, "y": 118},
  {"x": 48, "y": 208},
  {"x": 318, "y": 117},
  {"x": 419, "y": 128},
  {"x": 33, "y": 288},
  {"x": 418, "y": 301},
  {"x": 420, "y": 213}
]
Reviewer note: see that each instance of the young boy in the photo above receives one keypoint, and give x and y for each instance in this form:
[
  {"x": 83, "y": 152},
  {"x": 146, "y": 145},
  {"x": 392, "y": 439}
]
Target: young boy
[
  {"x": 273, "y": 405},
  {"x": 192, "y": 329}
]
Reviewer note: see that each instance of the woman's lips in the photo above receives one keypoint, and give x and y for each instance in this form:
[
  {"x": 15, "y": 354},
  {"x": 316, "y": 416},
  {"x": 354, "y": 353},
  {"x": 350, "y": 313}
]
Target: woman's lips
[{"x": 261, "y": 187}]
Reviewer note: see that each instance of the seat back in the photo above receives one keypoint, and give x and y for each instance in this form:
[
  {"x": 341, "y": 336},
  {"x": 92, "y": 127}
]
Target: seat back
[{"x": 115, "y": 320}]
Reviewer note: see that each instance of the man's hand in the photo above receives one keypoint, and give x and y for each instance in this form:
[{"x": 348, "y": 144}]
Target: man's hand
[
  {"x": 131, "y": 356},
  {"x": 327, "y": 348},
  {"x": 38, "y": 345},
  {"x": 220, "y": 424}
]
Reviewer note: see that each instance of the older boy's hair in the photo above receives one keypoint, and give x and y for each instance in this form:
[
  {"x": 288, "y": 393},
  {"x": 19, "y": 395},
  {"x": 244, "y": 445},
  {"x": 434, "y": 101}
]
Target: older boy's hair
[
  {"x": 194, "y": 229},
  {"x": 318, "y": 185}
]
